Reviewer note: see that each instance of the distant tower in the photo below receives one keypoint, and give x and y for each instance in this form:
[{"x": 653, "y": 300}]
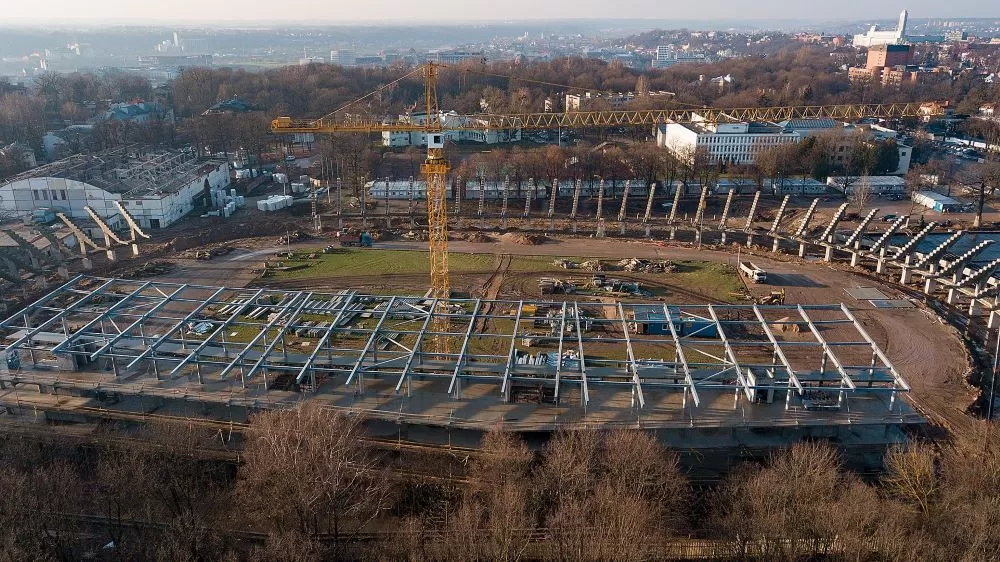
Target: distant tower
[
  {"x": 901, "y": 28},
  {"x": 178, "y": 43}
]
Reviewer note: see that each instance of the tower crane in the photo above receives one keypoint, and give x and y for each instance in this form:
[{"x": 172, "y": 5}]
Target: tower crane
[{"x": 435, "y": 168}]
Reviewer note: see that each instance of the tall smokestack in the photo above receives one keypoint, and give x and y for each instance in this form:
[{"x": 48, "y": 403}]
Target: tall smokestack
[{"x": 901, "y": 28}]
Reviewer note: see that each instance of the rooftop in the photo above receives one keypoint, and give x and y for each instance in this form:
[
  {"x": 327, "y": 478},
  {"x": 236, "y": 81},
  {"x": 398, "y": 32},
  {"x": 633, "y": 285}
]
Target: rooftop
[{"x": 130, "y": 171}]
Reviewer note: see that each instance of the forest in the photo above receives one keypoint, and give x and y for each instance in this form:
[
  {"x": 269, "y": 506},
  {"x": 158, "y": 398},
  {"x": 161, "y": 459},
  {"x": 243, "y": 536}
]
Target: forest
[{"x": 307, "y": 484}]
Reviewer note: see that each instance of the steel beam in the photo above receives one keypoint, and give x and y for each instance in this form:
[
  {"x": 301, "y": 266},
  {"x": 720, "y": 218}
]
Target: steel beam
[
  {"x": 637, "y": 388},
  {"x": 679, "y": 348}
]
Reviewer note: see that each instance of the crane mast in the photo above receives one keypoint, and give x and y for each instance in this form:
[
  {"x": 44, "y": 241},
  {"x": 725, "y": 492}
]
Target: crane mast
[{"x": 435, "y": 168}]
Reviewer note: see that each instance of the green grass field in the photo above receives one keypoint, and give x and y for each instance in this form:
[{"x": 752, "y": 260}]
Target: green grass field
[
  {"x": 715, "y": 280},
  {"x": 351, "y": 262}
]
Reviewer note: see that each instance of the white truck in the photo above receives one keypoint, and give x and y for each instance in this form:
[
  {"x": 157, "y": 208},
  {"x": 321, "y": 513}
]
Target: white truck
[{"x": 752, "y": 272}]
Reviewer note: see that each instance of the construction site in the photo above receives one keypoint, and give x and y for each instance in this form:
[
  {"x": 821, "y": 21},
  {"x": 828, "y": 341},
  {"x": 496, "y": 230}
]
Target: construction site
[{"x": 718, "y": 319}]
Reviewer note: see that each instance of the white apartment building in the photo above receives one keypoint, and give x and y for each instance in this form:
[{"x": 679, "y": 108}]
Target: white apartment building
[
  {"x": 731, "y": 142},
  {"x": 448, "y": 119}
]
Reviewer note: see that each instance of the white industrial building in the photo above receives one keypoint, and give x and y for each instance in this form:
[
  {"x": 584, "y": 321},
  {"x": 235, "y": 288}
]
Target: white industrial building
[
  {"x": 158, "y": 188},
  {"x": 448, "y": 119},
  {"x": 880, "y": 185},
  {"x": 729, "y": 141},
  {"x": 493, "y": 190},
  {"x": 876, "y": 36},
  {"x": 796, "y": 186}
]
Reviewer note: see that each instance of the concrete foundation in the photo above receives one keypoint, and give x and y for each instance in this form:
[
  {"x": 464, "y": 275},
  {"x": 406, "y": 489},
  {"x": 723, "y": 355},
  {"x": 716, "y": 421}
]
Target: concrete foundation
[
  {"x": 880, "y": 266},
  {"x": 86, "y": 263},
  {"x": 855, "y": 258},
  {"x": 749, "y": 240},
  {"x": 802, "y": 249},
  {"x": 776, "y": 245},
  {"x": 828, "y": 254},
  {"x": 905, "y": 276},
  {"x": 974, "y": 307},
  {"x": 952, "y": 296},
  {"x": 930, "y": 285},
  {"x": 992, "y": 320}
]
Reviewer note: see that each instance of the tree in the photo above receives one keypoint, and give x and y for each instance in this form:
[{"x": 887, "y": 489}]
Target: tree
[
  {"x": 861, "y": 194},
  {"x": 783, "y": 511},
  {"x": 307, "y": 471},
  {"x": 981, "y": 179}
]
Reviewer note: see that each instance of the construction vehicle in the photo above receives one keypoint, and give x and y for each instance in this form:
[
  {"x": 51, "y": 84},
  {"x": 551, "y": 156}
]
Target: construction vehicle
[
  {"x": 776, "y": 297},
  {"x": 364, "y": 240},
  {"x": 753, "y": 272},
  {"x": 435, "y": 168}
]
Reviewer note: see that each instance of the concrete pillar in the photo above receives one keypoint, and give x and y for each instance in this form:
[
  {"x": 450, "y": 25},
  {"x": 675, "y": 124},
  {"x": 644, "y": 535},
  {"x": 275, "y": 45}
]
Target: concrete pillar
[
  {"x": 135, "y": 249},
  {"x": 930, "y": 285},
  {"x": 749, "y": 240},
  {"x": 63, "y": 272},
  {"x": 905, "y": 276},
  {"x": 933, "y": 267},
  {"x": 623, "y": 229},
  {"x": 991, "y": 322},
  {"x": 881, "y": 252},
  {"x": 723, "y": 237},
  {"x": 647, "y": 231},
  {"x": 574, "y": 227},
  {"x": 673, "y": 232},
  {"x": 974, "y": 307},
  {"x": 697, "y": 236},
  {"x": 802, "y": 249},
  {"x": 87, "y": 264},
  {"x": 775, "y": 246},
  {"x": 952, "y": 296},
  {"x": 828, "y": 254},
  {"x": 908, "y": 260},
  {"x": 855, "y": 257},
  {"x": 111, "y": 254},
  {"x": 880, "y": 266}
]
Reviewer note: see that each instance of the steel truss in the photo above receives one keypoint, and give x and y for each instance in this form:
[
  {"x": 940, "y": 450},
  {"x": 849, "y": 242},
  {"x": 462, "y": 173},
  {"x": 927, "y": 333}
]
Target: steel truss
[{"x": 814, "y": 357}]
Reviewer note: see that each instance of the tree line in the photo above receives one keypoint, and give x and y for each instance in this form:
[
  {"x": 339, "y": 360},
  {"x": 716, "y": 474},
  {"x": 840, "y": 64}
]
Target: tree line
[{"x": 307, "y": 485}]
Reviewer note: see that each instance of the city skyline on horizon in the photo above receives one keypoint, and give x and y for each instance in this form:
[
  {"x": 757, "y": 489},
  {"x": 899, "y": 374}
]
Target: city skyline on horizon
[{"x": 312, "y": 12}]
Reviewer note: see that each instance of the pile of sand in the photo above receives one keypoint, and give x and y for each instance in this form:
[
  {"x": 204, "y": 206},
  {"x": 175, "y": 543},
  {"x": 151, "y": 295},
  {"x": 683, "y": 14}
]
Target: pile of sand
[
  {"x": 524, "y": 239},
  {"x": 478, "y": 237}
]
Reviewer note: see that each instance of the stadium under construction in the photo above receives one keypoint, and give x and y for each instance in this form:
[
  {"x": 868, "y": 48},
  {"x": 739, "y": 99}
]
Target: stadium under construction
[{"x": 103, "y": 348}]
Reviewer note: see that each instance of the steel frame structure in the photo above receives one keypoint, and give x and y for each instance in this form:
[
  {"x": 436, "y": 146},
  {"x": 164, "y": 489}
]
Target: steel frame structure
[{"x": 819, "y": 356}]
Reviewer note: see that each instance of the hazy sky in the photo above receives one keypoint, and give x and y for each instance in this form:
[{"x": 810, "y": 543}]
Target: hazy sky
[{"x": 428, "y": 11}]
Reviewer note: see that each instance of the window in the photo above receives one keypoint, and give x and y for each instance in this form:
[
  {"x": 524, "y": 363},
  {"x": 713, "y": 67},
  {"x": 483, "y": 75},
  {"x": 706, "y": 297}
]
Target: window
[
  {"x": 34, "y": 194},
  {"x": 45, "y": 194},
  {"x": 62, "y": 194}
]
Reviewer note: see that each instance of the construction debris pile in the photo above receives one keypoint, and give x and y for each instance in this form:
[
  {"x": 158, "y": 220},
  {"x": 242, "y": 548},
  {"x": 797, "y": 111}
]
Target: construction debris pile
[
  {"x": 149, "y": 269},
  {"x": 478, "y": 237},
  {"x": 646, "y": 266},
  {"x": 418, "y": 235},
  {"x": 634, "y": 265}
]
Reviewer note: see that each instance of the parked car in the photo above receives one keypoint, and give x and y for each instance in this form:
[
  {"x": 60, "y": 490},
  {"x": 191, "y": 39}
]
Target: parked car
[
  {"x": 290, "y": 158},
  {"x": 890, "y": 217}
]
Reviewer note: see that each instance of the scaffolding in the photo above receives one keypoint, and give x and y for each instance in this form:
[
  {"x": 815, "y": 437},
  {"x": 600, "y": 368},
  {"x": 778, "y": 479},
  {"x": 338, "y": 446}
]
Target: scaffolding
[{"x": 817, "y": 360}]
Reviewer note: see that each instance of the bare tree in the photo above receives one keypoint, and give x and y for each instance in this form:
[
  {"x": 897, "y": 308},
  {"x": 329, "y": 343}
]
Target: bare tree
[
  {"x": 861, "y": 194},
  {"x": 491, "y": 520},
  {"x": 307, "y": 470}
]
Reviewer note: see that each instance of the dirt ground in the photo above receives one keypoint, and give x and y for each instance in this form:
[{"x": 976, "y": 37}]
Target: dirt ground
[{"x": 927, "y": 352}]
